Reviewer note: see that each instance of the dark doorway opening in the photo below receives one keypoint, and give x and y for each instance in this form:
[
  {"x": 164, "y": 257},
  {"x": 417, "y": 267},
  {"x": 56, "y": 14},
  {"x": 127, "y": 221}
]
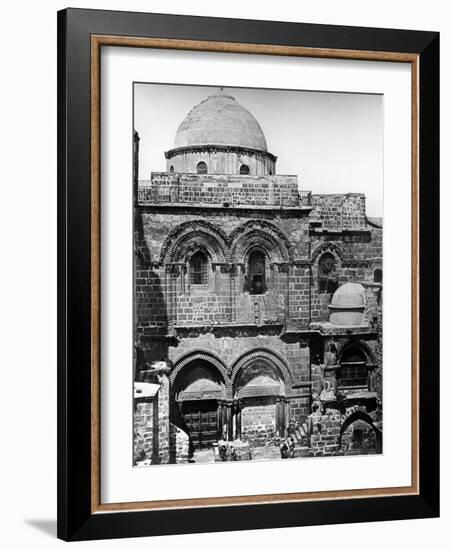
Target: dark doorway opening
[{"x": 201, "y": 422}]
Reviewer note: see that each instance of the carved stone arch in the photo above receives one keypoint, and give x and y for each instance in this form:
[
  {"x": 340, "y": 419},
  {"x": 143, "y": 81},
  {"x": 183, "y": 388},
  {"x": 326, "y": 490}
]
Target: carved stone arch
[
  {"x": 327, "y": 246},
  {"x": 202, "y": 355},
  {"x": 256, "y": 240},
  {"x": 260, "y": 234},
  {"x": 195, "y": 247},
  {"x": 356, "y": 416},
  {"x": 189, "y": 235},
  {"x": 362, "y": 347},
  {"x": 266, "y": 355}
]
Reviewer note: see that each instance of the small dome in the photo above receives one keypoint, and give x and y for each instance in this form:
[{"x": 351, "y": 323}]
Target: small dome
[
  {"x": 220, "y": 120},
  {"x": 349, "y": 295},
  {"x": 348, "y": 305}
]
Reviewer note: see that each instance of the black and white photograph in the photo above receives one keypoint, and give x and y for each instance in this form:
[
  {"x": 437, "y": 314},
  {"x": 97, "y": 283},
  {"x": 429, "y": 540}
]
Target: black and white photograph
[
  {"x": 223, "y": 252},
  {"x": 257, "y": 274}
]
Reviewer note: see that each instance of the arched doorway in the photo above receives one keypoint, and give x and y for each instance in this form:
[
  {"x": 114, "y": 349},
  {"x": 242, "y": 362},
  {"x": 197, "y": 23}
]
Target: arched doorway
[
  {"x": 359, "y": 436},
  {"x": 197, "y": 388},
  {"x": 259, "y": 398}
]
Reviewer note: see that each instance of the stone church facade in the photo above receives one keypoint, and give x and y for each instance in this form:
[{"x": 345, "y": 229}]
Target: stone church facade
[{"x": 257, "y": 306}]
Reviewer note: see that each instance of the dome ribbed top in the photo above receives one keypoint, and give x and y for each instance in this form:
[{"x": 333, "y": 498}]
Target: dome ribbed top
[
  {"x": 349, "y": 295},
  {"x": 220, "y": 120}
]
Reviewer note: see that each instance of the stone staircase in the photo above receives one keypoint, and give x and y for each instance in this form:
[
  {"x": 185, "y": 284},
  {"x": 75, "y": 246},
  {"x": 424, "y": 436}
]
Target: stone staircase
[
  {"x": 297, "y": 442},
  {"x": 300, "y": 435}
]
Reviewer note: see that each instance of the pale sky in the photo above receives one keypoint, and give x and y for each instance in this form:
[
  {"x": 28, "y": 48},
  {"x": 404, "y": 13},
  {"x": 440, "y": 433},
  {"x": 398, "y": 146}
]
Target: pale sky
[{"x": 333, "y": 142}]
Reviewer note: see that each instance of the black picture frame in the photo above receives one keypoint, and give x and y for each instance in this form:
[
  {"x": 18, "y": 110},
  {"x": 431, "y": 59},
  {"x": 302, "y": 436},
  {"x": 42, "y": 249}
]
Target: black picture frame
[{"x": 76, "y": 520}]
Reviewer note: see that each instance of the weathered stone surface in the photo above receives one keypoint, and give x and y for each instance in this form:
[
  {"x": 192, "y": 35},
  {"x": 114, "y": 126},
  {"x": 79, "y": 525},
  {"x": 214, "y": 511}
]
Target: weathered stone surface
[{"x": 278, "y": 369}]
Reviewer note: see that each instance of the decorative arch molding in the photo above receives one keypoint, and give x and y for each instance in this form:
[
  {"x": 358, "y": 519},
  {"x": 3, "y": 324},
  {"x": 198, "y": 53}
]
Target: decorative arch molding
[
  {"x": 192, "y": 233},
  {"x": 257, "y": 240},
  {"x": 202, "y": 355},
  {"x": 259, "y": 233},
  {"x": 193, "y": 248},
  {"x": 192, "y": 242},
  {"x": 327, "y": 246},
  {"x": 355, "y": 414},
  {"x": 268, "y": 356},
  {"x": 361, "y": 346}
]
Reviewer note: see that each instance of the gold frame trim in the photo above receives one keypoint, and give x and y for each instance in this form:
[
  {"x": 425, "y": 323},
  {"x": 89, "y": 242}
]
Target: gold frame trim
[{"x": 97, "y": 41}]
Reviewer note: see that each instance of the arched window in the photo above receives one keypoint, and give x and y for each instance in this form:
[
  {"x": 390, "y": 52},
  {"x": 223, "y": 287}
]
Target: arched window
[
  {"x": 198, "y": 269},
  {"x": 327, "y": 274},
  {"x": 244, "y": 170},
  {"x": 257, "y": 272},
  {"x": 201, "y": 167},
  {"x": 353, "y": 371},
  {"x": 171, "y": 169},
  {"x": 377, "y": 275}
]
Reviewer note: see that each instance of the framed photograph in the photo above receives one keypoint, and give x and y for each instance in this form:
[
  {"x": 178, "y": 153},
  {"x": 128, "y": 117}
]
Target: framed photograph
[{"x": 248, "y": 274}]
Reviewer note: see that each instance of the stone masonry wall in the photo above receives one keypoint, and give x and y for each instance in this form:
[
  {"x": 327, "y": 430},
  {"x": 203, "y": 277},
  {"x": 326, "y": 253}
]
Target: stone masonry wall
[
  {"x": 143, "y": 420},
  {"x": 156, "y": 226},
  {"x": 360, "y": 253},
  {"x": 161, "y": 439},
  {"x": 165, "y": 298},
  {"x": 299, "y": 409},
  {"x": 258, "y": 421},
  {"x": 325, "y": 433},
  {"x": 220, "y": 161},
  {"x": 179, "y": 445},
  {"x": 229, "y": 346},
  {"x": 379, "y": 351},
  {"x": 156, "y": 439},
  {"x": 339, "y": 211},
  {"x": 163, "y": 421},
  {"x": 219, "y": 189}
]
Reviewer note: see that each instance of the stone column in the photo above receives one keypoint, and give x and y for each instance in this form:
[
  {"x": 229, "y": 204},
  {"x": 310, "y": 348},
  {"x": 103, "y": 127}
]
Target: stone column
[
  {"x": 285, "y": 268},
  {"x": 174, "y": 271},
  {"x": 241, "y": 271},
  {"x": 223, "y": 419},
  {"x": 220, "y": 405},
  {"x": 238, "y": 420},
  {"x": 229, "y": 422},
  {"x": 233, "y": 276},
  {"x": 371, "y": 377},
  {"x": 168, "y": 296},
  {"x": 182, "y": 278},
  {"x": 286, "y": 406},
  {"x": 280, "y": 415},
  {"x": 217, "y": 275},
  {"x": 187, "y": 279},
  {"x": 163, "y": 417},
  {"x": 276, "y": 283},
  {"x": 277, "y": 419}
]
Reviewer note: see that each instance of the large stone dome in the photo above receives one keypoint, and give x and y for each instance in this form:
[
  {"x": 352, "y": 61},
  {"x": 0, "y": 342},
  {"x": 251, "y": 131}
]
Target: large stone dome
[{"x": 220, "y": 120}]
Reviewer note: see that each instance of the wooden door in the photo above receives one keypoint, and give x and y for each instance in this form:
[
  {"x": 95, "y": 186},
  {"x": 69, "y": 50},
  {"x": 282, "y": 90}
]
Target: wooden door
[{"x": 201, "y": 422}]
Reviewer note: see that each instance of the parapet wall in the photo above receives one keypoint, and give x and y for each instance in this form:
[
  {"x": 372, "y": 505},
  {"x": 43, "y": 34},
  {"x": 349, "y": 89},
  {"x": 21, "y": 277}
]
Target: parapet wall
[
  {"x": 339, "y": 211},
  {"x": 277, "y": 190}
]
